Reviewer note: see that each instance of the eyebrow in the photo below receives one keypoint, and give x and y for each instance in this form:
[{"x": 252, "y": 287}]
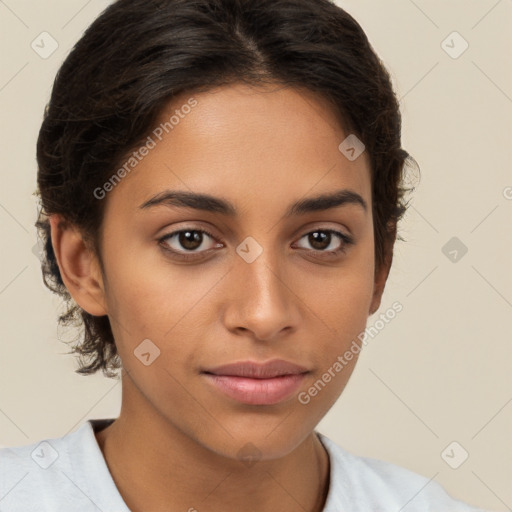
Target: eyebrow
[{"x": 208, "y": 203}]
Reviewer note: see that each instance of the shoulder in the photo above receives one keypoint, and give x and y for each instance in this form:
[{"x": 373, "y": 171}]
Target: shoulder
[
  {"x": 52, "y": 474},
  {"x": 364, "y": 483},
  {"x": 28, "y": 471}
]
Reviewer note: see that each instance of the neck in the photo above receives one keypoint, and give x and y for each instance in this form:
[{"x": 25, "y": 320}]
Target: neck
[{"x": 158, "y": 467}]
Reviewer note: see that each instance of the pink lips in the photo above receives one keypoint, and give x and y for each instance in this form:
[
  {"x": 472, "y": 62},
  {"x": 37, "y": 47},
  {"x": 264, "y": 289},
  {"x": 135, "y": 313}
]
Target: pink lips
[{"x": 255, "y": 383}]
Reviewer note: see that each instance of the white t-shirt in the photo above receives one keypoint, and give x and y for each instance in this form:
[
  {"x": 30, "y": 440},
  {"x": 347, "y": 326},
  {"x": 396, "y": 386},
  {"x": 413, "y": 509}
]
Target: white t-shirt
[{"x": 69, "y": 474}]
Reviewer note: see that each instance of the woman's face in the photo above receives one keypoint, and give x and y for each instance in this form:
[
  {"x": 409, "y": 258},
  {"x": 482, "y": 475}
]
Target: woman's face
[{"x": 263, "y": 285}]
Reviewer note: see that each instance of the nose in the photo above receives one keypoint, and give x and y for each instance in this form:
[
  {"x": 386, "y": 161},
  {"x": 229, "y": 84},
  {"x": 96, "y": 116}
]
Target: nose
[{"x": 260, "y": 299}]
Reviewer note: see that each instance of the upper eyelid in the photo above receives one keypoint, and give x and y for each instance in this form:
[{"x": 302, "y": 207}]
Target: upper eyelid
[{"x": 346, "y": 226}]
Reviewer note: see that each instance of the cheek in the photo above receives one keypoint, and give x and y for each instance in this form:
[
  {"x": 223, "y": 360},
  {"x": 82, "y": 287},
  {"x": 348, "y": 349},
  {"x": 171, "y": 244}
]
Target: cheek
[
  {"x": 342, "y": 305},
  {"x": 345, "y": 298},
  {"x": 131, "y": 292},
  {"x": 149, "y": 297},
  {"x": 343, "y": 313}
]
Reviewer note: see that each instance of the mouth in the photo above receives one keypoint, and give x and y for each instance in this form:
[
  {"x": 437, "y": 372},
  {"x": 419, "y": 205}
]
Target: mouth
[{"x": 256, "y": 383}]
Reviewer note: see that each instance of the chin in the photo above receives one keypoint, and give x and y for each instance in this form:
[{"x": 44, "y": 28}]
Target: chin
[{"x": 259, "y": 443}]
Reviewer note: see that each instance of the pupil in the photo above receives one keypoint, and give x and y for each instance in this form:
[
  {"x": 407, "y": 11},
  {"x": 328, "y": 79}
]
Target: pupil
[
  {"x": 190, "y": 239},
  {"x": 324, "y": 237}
]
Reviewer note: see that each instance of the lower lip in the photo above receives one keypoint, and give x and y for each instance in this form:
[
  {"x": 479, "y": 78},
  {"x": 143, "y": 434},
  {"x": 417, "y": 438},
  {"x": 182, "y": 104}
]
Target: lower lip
[{"x": 257, "y": 391}]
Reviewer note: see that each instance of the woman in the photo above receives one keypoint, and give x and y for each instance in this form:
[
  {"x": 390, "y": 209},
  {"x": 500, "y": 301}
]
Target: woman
[{"x": 221, "y": 182}]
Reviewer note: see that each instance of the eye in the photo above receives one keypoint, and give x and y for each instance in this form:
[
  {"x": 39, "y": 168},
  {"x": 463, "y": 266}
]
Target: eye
[
  {"x": 322, "y": 239},
  {"x": 187, "y": 243}
]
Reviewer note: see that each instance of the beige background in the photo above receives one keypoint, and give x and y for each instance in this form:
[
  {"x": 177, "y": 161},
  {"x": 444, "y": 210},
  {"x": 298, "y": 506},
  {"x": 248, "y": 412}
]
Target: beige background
[{"x": 440, "y": 371}]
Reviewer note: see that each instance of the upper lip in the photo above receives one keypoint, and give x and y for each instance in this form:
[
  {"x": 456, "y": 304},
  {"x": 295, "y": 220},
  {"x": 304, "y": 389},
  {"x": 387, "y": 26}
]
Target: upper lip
[{"x": 255, "y": 370}]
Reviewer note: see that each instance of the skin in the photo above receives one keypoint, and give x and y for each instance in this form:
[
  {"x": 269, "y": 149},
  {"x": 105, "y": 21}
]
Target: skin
[{"x": 175, "y": 444}]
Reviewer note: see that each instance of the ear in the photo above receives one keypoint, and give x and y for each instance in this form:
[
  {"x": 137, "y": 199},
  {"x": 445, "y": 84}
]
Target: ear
[
  {"x": 79, "y": 266},
  {"x": 381, "y": 274}
]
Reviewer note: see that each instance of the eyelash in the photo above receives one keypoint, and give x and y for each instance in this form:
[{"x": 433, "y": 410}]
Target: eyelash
[{"x": 347, "y": 241}]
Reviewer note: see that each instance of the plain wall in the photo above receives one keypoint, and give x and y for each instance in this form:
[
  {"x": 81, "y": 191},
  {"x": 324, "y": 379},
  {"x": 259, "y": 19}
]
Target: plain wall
[{"x": 440, "y": 370}]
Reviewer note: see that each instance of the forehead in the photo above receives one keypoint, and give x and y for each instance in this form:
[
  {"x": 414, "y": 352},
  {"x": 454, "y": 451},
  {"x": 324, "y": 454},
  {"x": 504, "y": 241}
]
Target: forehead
[{"x": 249, "y": 144}]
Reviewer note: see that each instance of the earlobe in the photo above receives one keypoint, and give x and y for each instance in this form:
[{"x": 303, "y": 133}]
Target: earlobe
[
  {"x": 381, "y": 274},
  {"x": 378, "y": 288},
  {"x": 79, "y": 267}
]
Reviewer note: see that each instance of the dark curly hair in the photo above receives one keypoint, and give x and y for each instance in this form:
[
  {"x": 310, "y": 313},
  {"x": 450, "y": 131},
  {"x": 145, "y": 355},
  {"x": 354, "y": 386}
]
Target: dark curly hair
[{"x": 139, "y": 54}]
